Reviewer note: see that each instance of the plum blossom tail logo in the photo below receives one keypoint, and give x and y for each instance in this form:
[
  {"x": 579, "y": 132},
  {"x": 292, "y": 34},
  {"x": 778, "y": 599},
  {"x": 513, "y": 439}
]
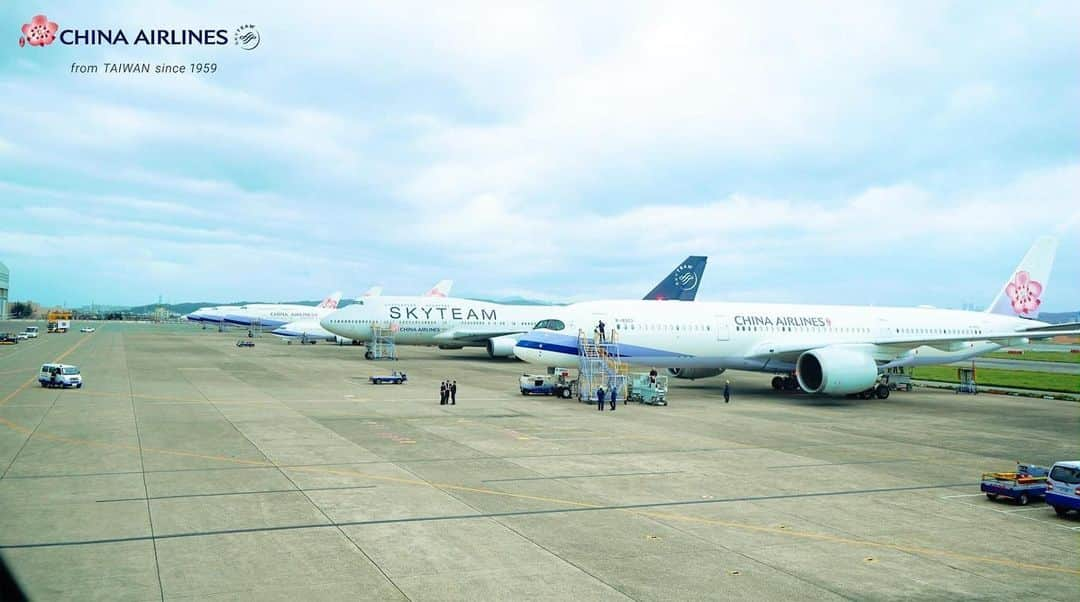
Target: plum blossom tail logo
[
  {"x": 40, "y": 31},
  {"x": 1024, "y": 293}
]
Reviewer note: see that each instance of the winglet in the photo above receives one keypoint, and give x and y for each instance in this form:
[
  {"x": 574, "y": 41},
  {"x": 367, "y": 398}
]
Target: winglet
[
  {"x": 1022, "y": 295},
  {"x": 682, "y": 283},
  {"x": 442, "y": 289}
]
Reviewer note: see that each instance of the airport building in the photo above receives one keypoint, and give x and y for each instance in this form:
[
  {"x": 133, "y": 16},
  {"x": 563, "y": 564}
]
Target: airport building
[{"x": 3, "y": 291}]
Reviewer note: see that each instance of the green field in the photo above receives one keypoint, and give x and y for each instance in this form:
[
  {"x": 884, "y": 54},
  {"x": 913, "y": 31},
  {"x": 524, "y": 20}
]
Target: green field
[
  {"x": 991, "y": 377},
  {"x": 1040, "y": 356}
]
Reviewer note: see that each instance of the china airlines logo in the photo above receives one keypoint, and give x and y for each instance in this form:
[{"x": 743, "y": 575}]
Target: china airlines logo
[
  {"x": 40, "y": 31},
  {"x": 685, "y": 278},
  {"x": 329, "y": 303},
  {"x": 435, "y": 292},
  {"x": 1024, "y": 293}
]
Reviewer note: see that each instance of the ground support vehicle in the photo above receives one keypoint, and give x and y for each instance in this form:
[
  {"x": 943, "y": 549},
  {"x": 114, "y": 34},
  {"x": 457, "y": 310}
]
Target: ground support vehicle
[
  {"x": 8, "y": 339},
  {"x": 1026, "y": 484},
  {"x": 644, "y": 388},
  {"x": 31, "y": 332},
  {"x": 558, "y": 384},
  {"x": 60, "y": 375},
  {"x": 394, "y": 378},
  {"x": 1063, "y": 487},
  {"x": 243, "y": 343}
]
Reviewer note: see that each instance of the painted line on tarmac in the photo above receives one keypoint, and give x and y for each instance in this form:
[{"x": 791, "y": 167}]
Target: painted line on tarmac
[
  {"x": 584, "y": 476},
  {"x": 227, "y": 493},
  {"x": 837, "y": 464}
]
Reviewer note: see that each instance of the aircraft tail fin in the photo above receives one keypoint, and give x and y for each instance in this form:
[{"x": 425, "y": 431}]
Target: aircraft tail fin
[
  {"x": 1022, "y": 295},
  {"x": 682, "y": 283},
  {"x": 374, "y": 291},
  {"x": 442, "y": 289},
  {"x": 331, "y": 302}
]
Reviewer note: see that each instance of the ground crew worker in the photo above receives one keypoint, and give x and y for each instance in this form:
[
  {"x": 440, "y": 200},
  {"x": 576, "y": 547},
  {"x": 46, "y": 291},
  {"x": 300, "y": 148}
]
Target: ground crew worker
[
  {"x": 600, "y": 398},
  {"x": 453, "y": 393},
  {"x": 614, "y": 392},
  {"x": 442, "y": 393},
  {"x": 600, "y": 327},
  {"x": 652, "y": 377},
  {"x": 727, "y": 391}
]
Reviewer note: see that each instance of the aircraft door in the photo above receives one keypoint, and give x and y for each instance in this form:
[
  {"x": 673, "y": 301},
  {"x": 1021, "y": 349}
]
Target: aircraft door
[{"x": 720, "y": 324}]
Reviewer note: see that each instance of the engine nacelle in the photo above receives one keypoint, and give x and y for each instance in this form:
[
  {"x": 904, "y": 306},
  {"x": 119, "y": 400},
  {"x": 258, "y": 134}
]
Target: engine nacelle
[
  {"x": 502, "y": 346},
  {"x": 836, "y": 371},
  {"x": 695, "y": 373}
]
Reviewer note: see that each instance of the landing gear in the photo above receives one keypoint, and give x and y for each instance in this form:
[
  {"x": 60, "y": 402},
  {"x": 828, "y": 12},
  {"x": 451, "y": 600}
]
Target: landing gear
[
  {"x": 782, "y": 382},
  {"x": 369, "y": 355},
  {"x": 882, "y": 391}
]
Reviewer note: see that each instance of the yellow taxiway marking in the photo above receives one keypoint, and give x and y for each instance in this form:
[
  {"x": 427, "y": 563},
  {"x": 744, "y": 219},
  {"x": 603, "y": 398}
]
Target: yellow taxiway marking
[{"x": 551, "y": 500}]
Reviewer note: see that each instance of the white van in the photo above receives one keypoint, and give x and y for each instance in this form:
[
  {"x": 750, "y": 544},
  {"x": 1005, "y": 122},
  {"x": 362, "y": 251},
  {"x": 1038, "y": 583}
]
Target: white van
[
  {"x": 1063, "y": 487},
  {"x": 31, "y": 332},
  {"x": 60, "y": 375}
]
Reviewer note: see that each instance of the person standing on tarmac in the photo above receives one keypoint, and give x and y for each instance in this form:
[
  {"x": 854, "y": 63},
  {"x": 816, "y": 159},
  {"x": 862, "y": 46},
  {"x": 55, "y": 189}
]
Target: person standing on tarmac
[
  {"x": 614, "y": 392},
  {"x": 453, "y": 393},
  {"x": 727, "y": 391},
  {"x": 442, "y": 393},
  {"x": 600, "y": 398}
]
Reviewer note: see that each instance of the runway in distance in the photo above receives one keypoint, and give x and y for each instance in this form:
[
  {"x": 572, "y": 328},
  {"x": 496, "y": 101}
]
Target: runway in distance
[
  {"x": 830, "y": 349},
  {"x": 454, "y": 323}
]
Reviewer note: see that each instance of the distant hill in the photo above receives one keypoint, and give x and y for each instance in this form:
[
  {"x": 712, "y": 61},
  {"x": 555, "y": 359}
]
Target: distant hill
[{"x": 1060, "y": 318}]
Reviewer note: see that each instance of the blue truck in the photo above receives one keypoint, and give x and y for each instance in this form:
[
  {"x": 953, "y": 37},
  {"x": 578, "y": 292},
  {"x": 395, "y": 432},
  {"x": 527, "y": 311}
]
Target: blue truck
[{"x": 1026, "y": 484}]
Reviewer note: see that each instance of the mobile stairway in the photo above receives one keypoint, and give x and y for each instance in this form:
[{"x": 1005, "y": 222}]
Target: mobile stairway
[{"x": 600, "y": 364}]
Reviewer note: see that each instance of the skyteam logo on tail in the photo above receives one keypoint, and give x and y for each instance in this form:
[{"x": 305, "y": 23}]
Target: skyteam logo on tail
[{"x": 685, "y": 277}]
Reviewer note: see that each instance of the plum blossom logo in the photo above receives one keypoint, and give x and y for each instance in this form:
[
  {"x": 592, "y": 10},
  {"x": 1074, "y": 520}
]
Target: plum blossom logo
[
  {"x": 40, "y": 31},
  {"x": 1024, "y": 293}
]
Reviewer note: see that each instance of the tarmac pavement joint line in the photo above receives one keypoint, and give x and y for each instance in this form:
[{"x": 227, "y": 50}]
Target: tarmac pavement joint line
[{"x": 463, "y": 488}]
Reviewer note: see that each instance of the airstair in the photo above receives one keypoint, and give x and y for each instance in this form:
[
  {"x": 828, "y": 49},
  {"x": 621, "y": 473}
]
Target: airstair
[
  {"x": 600, "y": 364},
  {"x": 381, "y": 346}
]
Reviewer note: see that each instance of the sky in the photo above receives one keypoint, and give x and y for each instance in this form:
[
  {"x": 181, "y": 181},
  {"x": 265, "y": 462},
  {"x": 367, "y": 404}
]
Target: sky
[{"x": 821, "y": 152}]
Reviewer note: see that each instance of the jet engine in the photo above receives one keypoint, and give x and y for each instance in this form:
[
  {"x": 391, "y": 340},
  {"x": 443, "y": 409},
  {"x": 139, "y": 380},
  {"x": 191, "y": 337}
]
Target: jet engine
[
  {"x": 501, "y": 346},
  {"x": 694, "y": 373},
  {"x": 835, "y": 371}
]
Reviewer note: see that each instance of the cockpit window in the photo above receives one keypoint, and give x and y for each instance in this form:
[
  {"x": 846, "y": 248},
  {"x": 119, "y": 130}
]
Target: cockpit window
[{"x": 550, "y": 325}]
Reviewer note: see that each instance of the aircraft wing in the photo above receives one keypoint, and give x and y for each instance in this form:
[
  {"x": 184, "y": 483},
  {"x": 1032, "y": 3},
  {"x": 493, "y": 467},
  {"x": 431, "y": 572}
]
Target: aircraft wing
[{"x": 790, "y": 350}]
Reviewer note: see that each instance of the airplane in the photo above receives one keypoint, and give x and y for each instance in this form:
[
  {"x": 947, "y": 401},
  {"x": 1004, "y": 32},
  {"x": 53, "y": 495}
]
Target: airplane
[
  {"x": 454, "y": 323},
  {"x": 308, "y": 330},
  {"x": 825, "y": 349}
]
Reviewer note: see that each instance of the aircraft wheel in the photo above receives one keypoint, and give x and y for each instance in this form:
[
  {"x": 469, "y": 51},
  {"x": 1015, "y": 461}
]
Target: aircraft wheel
[
  {"x": 369, "y": 355},
  {"x": 777, "y": 383},
  {"x": 882, "y": 392}
]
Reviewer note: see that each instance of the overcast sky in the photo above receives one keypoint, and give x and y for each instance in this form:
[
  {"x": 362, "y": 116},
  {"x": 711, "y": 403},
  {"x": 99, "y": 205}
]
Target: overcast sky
[{"x": 844, "y": 152}]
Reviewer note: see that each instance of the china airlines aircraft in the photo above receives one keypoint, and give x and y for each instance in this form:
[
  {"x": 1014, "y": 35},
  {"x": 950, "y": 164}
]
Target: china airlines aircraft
[
  {"x": 308, "y": 330},
  {"x": 453, "y": 323},
  {"x": 829, "y": 349}
]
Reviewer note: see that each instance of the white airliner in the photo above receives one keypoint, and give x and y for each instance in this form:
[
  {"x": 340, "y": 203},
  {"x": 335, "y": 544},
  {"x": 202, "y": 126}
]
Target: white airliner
[
  {"x": 830, "y": 349},
  {"x": 452, "y": 323},
  {"x": 309, "y": 330}
]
